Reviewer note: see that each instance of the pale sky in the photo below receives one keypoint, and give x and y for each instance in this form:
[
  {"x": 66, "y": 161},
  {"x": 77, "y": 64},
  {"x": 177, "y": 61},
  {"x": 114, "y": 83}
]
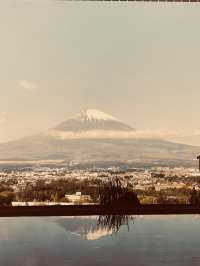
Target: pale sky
[{"x": 137, "y": 61}]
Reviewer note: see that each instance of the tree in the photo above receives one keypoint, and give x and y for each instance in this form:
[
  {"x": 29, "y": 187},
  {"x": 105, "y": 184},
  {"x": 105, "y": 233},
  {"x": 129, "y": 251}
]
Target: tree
[
  {"x": 6, "y": 198},
  {"x": 113, "y": 222},
  {"x": 194, "y": 197},
  {"x": 117, "y": 191}
]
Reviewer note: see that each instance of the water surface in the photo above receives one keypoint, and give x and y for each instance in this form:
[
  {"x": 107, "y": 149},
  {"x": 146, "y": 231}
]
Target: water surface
[{"x": 65, "y": 241}]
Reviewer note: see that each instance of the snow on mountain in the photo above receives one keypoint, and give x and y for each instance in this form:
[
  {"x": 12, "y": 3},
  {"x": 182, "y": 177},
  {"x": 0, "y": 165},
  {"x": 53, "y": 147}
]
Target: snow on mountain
[
  {"x": 94, "y": 114},
  {"x": 91, "y": 120}
]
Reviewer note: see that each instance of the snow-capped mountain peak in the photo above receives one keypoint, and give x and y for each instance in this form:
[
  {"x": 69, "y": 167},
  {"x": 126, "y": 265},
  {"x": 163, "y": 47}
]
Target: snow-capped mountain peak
[
  {"x": 94, "y": 114},
  {"x": 90, "y": 120}
]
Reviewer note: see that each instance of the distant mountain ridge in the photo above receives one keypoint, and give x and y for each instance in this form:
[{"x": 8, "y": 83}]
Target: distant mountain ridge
[{"x": 93, "y": 135}]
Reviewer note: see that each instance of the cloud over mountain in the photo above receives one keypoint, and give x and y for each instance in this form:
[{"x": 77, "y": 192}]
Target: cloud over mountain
[
  {"x": 27, "y": 85},
  {"x": 3, "y": 117}
]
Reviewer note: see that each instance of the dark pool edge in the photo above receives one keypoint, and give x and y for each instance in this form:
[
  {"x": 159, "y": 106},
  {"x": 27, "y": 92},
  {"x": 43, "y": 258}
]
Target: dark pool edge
[{"x": 84, "y": 210}]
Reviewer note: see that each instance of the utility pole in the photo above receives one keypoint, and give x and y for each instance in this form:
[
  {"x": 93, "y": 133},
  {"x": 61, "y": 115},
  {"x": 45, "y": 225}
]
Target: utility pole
[{"x": 198, "y": 158}]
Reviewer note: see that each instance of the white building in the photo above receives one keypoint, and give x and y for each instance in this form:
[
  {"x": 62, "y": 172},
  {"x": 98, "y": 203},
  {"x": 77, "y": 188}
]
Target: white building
[{"x": 78, "y": 197}]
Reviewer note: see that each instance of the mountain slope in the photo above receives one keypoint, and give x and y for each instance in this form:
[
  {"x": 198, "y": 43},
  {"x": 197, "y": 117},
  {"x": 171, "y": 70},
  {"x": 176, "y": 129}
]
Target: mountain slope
[{"x": 99, "y": 148}]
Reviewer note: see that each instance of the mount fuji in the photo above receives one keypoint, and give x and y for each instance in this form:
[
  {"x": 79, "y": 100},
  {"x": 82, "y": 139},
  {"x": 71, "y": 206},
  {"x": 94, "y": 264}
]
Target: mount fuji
[
  {"x": 92, "y": 136},
  {"x": 93, "y": 119}
]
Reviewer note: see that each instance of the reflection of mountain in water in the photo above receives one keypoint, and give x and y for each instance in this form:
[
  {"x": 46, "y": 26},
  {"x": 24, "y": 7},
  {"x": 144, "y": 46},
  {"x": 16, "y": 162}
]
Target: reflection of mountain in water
[
  {"x": 98, "y": 233},
  {"x": 93, "y": 228},
  {"x": 85, "y": 227}
]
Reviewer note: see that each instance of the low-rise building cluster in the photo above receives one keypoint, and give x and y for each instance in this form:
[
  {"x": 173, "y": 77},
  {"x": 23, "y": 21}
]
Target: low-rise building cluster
[{"x": 152, "y": 180}]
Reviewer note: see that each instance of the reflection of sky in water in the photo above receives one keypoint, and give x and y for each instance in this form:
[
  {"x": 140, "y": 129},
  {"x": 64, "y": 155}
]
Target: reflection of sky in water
[{"x": 151, "y": 240}]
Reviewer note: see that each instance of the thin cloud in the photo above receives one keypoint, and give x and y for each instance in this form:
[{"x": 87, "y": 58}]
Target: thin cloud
[
  {"x": 27, "y": 85},
  {"x": 146, "y": 134},
  {"x": 3, "y": 117},
  {"x": 178, "y": 136}
]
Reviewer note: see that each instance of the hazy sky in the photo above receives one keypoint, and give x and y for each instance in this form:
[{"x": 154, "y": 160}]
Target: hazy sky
[{"x": 137, "y": 61}]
